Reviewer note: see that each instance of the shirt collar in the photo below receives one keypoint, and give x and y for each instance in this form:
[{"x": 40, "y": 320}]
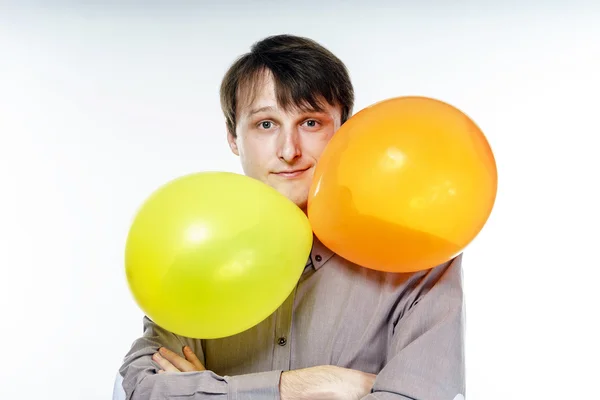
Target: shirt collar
[{"x": 319, "y": 254}]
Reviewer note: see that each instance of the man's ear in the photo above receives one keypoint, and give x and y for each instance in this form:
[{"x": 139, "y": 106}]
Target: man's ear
[{"x": 232, "y": 140}]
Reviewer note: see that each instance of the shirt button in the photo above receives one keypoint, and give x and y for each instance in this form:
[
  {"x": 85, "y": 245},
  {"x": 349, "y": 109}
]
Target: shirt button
[
  {"x": 282, "y": 341},
  {"x": 318, "y": 258}
]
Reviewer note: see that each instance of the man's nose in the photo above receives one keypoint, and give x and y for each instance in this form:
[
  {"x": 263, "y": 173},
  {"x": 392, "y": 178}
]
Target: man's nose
[{"x": 289, "y": 145}]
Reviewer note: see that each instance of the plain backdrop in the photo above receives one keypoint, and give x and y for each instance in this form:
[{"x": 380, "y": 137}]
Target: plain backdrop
[{"x": 99, "y": 105}]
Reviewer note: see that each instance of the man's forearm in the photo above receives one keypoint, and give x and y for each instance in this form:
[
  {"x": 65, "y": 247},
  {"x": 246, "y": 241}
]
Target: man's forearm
[
  {"x": 205, "y": 385},
  {"x": 325, "y": 382},
  {"x": 142, "y": 382},
  {"x": 309, "y": 383}
]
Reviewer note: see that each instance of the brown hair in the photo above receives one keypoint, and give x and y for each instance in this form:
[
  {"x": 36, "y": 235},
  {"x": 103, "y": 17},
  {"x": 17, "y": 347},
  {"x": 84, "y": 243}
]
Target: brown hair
[{"x": 304, "y": 72}]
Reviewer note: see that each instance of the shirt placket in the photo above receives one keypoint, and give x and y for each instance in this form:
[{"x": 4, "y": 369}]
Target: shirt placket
[{"x": 283, "y": 324}]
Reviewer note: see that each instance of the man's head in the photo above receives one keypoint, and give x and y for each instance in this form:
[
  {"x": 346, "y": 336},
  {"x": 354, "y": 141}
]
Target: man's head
[{"x": 283, "y": 101}]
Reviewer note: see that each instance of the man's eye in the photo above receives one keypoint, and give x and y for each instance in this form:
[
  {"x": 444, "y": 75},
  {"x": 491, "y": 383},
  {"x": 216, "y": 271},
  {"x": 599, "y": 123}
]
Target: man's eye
[
  {"x": 266, "y": 124},
  {"x": 311, "y": 123}
]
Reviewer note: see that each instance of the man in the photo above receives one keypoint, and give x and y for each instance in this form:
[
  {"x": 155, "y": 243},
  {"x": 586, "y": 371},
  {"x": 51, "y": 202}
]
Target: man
[{"x": 346, "y": 332}]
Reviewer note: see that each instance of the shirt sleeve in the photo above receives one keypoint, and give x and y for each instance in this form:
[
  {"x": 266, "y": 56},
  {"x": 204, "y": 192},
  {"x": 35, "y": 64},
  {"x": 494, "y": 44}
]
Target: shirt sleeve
[
  {"x": 426, "y": 358},
  {"x": 141, "y": 380}
]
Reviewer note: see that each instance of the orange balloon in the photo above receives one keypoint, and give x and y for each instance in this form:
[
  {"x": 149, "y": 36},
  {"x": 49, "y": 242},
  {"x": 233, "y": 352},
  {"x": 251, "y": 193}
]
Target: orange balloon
[{"x": 404, "y": 185}]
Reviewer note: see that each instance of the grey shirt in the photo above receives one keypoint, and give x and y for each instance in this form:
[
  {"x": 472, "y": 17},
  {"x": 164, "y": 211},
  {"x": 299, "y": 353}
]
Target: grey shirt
[{"x": 408, "y": 328}]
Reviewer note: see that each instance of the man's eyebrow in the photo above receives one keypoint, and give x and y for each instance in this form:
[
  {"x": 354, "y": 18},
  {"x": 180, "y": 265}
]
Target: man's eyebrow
[{"x": 307, "y": 111}]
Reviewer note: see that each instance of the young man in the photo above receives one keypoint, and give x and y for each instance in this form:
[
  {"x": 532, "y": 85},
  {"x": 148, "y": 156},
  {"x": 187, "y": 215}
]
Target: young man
[{"x": 346, "y": 332}]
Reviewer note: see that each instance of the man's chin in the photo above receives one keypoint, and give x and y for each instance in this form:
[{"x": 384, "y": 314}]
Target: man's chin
[
  {"x": 299, "y": 199},
  {"x": 302, "y": 205}
]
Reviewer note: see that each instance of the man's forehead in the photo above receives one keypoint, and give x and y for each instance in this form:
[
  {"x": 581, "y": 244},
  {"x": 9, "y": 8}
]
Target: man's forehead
[
  {"x": 262, "y": 102},
  {"x": 256, "y": 93},
  {"x": 260, "y": 95},
  {"x": 258, "y": 108}
]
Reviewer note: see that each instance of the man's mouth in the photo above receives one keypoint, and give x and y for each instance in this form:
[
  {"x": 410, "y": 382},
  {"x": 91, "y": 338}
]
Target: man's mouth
[{"x": 292, "y": 173}]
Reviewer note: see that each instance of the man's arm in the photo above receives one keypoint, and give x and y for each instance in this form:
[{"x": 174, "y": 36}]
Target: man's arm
[
  {"x": 180, "y": 372},
  {"x": 426, "y": 357},
  {"x": 141, "y": 380},
  {"x": 325, "y": 382}
]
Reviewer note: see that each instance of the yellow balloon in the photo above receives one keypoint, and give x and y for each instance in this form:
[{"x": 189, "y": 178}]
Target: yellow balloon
[{"x": 212, "y": 254}]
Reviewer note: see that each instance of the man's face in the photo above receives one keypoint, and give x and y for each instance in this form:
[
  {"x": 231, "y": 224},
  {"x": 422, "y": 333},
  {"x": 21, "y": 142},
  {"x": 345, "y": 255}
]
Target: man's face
[{"x": 281, "y": 148}]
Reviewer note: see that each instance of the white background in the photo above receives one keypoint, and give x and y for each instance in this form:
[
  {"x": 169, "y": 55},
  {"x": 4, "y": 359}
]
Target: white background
[{"x": 100, "y": 105}]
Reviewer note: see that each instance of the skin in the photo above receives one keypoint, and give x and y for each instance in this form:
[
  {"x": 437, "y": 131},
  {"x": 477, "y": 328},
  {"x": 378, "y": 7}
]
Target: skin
[{"x": 281, "y": 148}]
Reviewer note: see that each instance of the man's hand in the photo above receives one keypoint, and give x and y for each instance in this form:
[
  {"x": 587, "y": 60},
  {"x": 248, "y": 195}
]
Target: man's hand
[
  {"x": 173, "y": 362},
  {"x": 325, "y": 382}
]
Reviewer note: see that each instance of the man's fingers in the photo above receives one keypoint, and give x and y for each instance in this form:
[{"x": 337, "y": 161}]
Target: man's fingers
[
  {"x": 164, "y": 363},
  {"x": 192, "y": 358},
  {"x": 173, "y": 362},
  {"x": 179, "y": 362}
]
